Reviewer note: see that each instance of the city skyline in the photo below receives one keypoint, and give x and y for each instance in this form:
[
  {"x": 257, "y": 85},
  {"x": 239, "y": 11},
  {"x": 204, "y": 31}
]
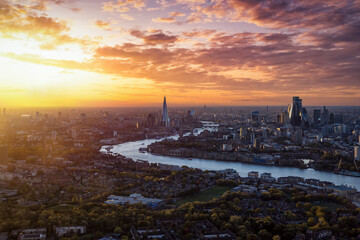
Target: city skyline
[{"x": 132, "y": 53}]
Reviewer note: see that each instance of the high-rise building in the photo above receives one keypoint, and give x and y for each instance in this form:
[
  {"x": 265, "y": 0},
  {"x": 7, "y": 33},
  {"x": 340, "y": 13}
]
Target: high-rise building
[
  {"x": 255, "y": 116},
  {"x": 295, "y": 110},
  {"x": 3, "y": 154},
  {"x": 165, "y": 117},
  {"x": 285, "y": 117},
  {"x": 357, "y": 153},
  {"x": 243, "y": 132},
  {"x": 304, "y": 118},
  {"x": 296, "y": 135},
  {"x": 325, "y": 116},
  {"x": 317, "y": 116}
]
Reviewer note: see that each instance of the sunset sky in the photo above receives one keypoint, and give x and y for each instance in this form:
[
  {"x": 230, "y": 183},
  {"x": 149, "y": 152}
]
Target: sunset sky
[{"x": 214, "y": 52}]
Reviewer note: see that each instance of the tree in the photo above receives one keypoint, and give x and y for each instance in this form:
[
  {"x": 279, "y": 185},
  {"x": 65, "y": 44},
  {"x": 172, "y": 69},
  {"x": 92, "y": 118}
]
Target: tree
[
  {"x": 118, "y": 230},
  {"x": 264, "y": 235}
]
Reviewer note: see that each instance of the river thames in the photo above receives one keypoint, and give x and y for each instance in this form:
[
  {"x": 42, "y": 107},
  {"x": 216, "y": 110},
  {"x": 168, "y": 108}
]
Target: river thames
[{"x": 131, "y": 150}]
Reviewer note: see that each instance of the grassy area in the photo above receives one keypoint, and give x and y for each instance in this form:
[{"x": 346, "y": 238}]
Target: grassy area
[
  {"x": 205, "y": 196},
  {"x": 330, "y": 205}
]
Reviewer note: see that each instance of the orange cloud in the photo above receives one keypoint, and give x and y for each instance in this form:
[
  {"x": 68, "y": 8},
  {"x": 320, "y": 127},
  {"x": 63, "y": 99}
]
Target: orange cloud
[
  {"x": 103, "y": 24},
  {"x": 20, "y": 20},
  {"x": 164, "y": 19},
  {"x": 123, "y": 5}
]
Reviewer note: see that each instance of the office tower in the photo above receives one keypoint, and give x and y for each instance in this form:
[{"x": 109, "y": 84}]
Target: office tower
[
  {"x": 264, "y": 133},
  {"x": 304, "y": 118},
  {"x": 243, "y": 132},
  {"x": 317, "y": 116},
  {"x": 295, "y": 110},
  {"x": 165, "y": 117},
  {"x": 252, "y": 138},
  {"x": 285, "y": 117},
  {"x": 325, "y": 116},
  {"x": 256, "y": 143},
  {"x": 331, "y": 118},
  {"x": 255, "y": 116},
  {"x": 3, "y": 155},
  {"x": 296, "y": 135},
  {"x": 357, "y": 153}
]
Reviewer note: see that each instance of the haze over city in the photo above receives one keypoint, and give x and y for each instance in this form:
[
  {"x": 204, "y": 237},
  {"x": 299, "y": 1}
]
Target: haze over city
[
  {"x": 179, "y": 119},
  {"x": 132, "y": 52}
]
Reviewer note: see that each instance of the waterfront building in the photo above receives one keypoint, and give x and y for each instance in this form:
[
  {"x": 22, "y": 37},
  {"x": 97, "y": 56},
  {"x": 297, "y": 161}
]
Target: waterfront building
[{"x": 253, "y": 174}]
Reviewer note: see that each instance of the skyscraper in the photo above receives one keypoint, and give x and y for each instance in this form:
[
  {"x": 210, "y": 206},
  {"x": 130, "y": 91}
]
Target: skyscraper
[
  {"x": 317, "y": 116},
  {"x": 255, "y": 116},
  {"x": 165, "y": 116},
  {"x": 325, "y": 116},
  {"x": 295, "y": 110}
]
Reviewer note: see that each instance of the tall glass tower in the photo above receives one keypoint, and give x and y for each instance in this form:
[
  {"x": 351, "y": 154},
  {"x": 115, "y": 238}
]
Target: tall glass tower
[
  {"x": 165, "y": 116},
  {"x": 295, "y": 110}
]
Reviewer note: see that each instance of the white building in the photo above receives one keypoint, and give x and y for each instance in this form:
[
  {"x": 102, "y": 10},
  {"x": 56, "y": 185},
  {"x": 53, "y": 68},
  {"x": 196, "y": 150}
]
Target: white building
[{"x": 69, "y": 231}]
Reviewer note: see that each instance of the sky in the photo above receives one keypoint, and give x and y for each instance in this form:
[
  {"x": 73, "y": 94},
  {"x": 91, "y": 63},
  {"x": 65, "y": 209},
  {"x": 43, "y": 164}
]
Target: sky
[{"x": 125, "y": 53}]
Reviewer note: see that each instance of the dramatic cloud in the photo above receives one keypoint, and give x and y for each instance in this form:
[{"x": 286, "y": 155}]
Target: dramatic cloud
[
  {"x": 236, "y": 47},
  {"x": 16, "y": 20}
]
